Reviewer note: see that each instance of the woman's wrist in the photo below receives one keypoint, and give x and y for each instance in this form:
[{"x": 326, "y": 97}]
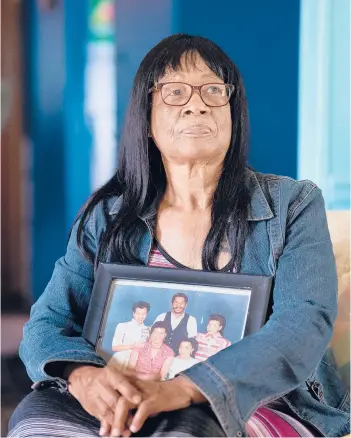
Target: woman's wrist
[
  {"x": 68, "y": 372},
  {"x": 190, "y": 390}
]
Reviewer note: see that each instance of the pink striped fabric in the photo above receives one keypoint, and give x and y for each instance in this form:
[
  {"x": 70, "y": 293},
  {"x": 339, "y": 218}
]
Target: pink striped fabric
[
  {"x": 157, "y": 260},
  {"x": 265, "y": 422},
  {"x": 209, "y": 345}
]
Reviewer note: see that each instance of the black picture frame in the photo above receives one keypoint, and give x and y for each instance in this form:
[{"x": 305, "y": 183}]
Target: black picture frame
[{"x": 259, "y": 286}]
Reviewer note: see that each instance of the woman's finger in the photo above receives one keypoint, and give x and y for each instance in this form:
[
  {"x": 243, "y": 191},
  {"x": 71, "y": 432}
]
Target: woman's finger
[
  {"x": 143, "y": 412},
  {"x": 109, "y": 396},
  {"x": 105, "y": 428},
  {"x": 127, "y": 433},
  {"x": 142, "y": 376},
  {"x": 121, "y": 384},
  {"x": 104, "y": 415},
  {"x": 121, "y": 416}
]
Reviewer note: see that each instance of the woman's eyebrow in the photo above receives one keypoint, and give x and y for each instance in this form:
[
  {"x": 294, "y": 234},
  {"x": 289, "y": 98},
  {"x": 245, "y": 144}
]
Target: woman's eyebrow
[{"x": 182, "y": 77}]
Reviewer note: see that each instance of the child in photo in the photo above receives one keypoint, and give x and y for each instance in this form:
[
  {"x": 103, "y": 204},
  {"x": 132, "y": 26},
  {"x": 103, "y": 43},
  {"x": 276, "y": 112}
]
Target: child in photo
[{"x": 186, "y": 357}]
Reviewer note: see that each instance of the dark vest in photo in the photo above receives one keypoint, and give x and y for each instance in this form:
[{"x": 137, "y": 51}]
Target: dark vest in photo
[{"x": 174, "y": 337}]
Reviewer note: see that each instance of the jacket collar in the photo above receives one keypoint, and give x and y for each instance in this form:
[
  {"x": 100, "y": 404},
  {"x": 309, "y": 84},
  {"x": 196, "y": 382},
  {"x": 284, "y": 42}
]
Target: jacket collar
[{"x": 259, "y": 210}]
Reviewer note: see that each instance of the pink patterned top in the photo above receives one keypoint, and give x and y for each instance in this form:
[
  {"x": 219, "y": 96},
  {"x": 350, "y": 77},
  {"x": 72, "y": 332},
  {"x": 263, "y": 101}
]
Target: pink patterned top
[{"x": 147, "y": 364}]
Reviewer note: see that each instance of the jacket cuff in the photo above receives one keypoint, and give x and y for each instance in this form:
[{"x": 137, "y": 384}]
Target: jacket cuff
[
  {"x": 51, "y": 370},
  {"x": 219, "y": 392}
]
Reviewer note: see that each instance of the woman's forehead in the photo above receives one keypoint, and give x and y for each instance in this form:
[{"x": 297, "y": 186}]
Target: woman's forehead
[{"x": 190, "y": 68}]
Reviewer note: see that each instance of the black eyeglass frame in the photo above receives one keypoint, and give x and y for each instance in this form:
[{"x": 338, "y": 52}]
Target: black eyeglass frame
[{"x": 159, "y": 86}]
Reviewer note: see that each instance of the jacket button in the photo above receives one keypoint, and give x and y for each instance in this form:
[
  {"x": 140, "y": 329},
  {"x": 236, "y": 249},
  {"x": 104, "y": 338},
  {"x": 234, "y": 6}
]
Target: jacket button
[{"x": 239, "y": 433}]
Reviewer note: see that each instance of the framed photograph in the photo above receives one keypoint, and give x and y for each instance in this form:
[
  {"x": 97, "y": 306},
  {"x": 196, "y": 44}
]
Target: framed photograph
[{"x": 162, "y": 320}]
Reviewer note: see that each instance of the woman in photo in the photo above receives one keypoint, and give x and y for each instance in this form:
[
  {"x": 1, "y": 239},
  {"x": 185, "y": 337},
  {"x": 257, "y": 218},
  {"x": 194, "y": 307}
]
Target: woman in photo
[
  {"x": 154, "y": 356},
  {"x": 183, "y": 179},
  {"x": 213, "y": 341},
  {"x": 186, "y": 357}
]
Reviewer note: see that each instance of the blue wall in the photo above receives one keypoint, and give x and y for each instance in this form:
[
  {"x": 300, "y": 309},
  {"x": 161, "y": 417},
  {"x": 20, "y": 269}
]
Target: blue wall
[
  {"x": 262, "y": 38},
  {"x": 44, "y": 82},
  {"x": 77, "y": 135},
  {"x": 54, "y": 123},
  {"x": 140, "y": 25}
]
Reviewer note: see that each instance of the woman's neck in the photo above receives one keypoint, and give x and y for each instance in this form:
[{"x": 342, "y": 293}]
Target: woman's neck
[{"x": 190, "y": 186}]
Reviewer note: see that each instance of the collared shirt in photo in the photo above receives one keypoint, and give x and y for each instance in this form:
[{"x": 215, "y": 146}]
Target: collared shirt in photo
[
  {"x": 210, "y": 345},
  {"x": 128, "y": 333}
]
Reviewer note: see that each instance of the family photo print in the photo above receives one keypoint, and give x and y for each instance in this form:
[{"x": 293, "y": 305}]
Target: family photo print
[{"x": 164, "y": 321}]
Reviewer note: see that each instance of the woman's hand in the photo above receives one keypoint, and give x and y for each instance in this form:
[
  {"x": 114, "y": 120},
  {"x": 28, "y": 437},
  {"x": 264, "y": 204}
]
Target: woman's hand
[
  {"x": 122, "y": 414},
  {"x": 159, "y": 397},
  {"x": 99, "y": 391}
]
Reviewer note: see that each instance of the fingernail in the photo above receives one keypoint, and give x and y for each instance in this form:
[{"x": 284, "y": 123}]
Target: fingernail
[
  {"x": 133, "y": 429},
  {"x": 136, "y": 399},
  {"x": 115, "y": 432},
  {"x": 102, "y": 431}
]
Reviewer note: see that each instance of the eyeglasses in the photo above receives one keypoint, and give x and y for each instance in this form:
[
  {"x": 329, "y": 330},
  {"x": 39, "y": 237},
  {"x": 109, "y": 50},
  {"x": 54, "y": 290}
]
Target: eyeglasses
[{"x": 179, "y": 93}]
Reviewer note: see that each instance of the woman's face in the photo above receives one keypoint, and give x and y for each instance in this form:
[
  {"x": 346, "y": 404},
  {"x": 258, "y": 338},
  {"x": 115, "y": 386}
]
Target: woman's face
[
  {"x": 140, "y": 315},
  {"x": 194, "y": 131},
  {"x": 158, "y": 336},
  {"x": 185, "y": 350},
  {"x": 213, "y": 327}
]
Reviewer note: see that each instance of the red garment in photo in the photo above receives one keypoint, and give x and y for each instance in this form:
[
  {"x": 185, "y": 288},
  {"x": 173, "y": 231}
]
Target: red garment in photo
[{"x": 147, "y": 364}]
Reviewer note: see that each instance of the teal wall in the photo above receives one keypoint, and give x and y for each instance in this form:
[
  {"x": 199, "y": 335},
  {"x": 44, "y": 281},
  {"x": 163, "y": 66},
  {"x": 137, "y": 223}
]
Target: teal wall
[{"x": 324, "y": 99}]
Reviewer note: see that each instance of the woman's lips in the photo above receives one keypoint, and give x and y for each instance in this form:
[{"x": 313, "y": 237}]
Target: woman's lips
[{"x": 197, "y": 131}]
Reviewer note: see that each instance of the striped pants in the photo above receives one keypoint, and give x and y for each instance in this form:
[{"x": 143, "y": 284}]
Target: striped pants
[{"x": 49, "y": 413}]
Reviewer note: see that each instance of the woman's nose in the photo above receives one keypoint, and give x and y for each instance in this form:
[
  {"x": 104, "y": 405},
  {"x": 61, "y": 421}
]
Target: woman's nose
[{"x": 195, "y": 105}]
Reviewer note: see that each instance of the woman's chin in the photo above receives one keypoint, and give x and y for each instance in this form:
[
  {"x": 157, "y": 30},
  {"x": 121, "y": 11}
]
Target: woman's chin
[{"x": 195, "y": 155}]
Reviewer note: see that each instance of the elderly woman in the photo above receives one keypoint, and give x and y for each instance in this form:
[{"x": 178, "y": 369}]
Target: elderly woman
[{"x": 183, "y": 181}]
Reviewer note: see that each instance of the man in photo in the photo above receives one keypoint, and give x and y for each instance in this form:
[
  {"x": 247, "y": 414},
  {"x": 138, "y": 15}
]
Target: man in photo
[
  {"x": 186, "y": 357},
  {"x": 154, "y": 356},
  {"x": 213, "y": 341},
  {"x": 129, "y": 334},
  {"x": 179, "y": 324}
]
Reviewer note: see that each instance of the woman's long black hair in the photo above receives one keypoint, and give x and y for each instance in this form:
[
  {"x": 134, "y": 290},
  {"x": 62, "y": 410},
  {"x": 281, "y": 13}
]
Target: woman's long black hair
[{"x": 140, "y": 176}]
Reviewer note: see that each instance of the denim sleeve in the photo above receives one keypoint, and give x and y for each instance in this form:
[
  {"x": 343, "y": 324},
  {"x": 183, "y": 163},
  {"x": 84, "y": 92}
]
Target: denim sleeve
[
  {"x": 52, "y": 336},
  {"x": 282, "y": 355}
]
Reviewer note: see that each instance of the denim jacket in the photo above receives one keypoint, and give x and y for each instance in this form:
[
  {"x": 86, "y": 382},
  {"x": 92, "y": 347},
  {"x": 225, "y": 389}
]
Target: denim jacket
[{"x": 285, "y": 360}]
